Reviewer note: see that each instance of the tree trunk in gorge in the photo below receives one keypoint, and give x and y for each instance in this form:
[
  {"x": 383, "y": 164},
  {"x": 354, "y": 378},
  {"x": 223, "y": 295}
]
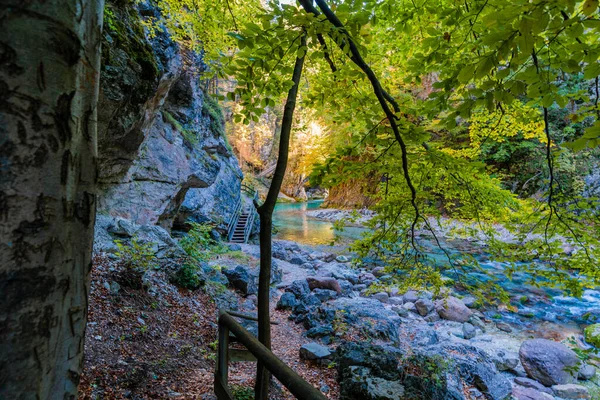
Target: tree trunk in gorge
[
  {"x": 265, "y": 211},
  {"x": 49, "y": 75}
]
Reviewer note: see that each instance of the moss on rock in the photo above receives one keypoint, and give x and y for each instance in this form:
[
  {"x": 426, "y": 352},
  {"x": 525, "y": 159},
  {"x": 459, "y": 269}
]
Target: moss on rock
[
  {"x": 592, "y": 335},
  {"x": 124, "y": 30}
]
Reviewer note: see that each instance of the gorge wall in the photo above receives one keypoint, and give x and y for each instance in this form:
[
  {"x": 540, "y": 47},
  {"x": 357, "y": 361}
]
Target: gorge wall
[{"x": 163, "y": 155}]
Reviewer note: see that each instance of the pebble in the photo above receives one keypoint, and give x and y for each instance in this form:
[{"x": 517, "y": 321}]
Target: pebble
[
  {"x": 504, "y": 327},
  {"x": 381, "y": 296}
]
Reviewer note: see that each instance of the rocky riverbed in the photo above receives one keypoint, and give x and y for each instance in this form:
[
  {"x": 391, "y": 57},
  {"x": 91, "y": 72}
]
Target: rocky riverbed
[
  {"x": 389, "y": 344},
  {"x": 413, "y": 345}
]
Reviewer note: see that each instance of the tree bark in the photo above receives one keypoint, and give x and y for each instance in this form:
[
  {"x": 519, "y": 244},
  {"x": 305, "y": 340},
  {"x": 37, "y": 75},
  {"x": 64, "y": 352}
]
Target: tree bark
[
  {"x": 265, "y": 212},
  {"x": 49, "y": 73}
]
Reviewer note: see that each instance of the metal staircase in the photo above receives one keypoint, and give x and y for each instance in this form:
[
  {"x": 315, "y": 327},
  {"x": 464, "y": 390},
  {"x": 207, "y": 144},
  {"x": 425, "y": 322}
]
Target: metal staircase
[{"x": 242, "y": 220}]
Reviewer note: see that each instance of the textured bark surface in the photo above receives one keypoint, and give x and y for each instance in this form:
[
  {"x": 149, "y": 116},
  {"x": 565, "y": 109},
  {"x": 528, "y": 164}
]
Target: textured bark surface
[{"x": 49, "y": 63}]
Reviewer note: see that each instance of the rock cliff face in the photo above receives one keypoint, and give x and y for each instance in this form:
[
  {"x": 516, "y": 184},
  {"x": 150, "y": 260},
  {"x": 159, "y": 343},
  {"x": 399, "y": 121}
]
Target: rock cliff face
[{"x": 163, "y": 155}]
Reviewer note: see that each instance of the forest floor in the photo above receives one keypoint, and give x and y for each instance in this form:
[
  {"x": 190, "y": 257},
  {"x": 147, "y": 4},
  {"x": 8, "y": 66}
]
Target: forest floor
[{"x": 139, "y": 348}]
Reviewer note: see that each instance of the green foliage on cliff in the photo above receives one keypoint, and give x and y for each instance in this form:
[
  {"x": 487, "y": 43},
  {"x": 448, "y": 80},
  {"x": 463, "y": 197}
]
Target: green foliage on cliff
[
  {"x": 190, "y": 136},
  {"x": 124, "y": 31},
  {"x": 211, "y": 108}
]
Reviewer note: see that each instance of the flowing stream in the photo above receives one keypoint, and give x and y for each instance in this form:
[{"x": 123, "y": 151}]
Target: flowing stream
[{"x": 542, "y": 311}]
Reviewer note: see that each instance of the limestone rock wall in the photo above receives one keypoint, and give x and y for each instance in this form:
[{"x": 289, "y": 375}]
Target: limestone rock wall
[{"x": 160, "y": 139}]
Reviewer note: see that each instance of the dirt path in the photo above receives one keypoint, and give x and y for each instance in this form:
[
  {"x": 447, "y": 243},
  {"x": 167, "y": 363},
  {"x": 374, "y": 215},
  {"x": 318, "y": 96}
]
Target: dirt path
[{"x": 139, "y": 347}]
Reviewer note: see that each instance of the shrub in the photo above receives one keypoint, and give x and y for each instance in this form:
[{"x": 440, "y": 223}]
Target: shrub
[
  {"x": 187, "y": 277},
  {"x": 136, "y": 255},
  {"x": 240, "y": 392},
  {"x": 199, "y": 244}
]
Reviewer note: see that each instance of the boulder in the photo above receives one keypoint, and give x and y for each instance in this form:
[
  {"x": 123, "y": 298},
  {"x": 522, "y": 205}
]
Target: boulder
[
  {"x": 314, "y": 351},
  {"x": 342, "y": 259},
  {"x": 410, "y": 296},
  {"x": 123, "y": 228},
  {"x": 504, "y": 327},
  {"x": 378, "y": 271},
  {"x": 234, "y": 247},
  {"x": 548, "y": 362},
  {"x": 592, "y": 335},
  {"x": 114, "y": 288},
  {"x": 380, "y": 362},
  {"x": 525, "y": 393},
  {"x": 319, "y": 282},
  {"x": 477, "y": 322},
  {"x": 286, "y": 302},
  {"x": 506, "y": 360},
  {"x": 369, "y": 315},
  {"x": 276, "y": 273},
  {"x": 381, "y": 296},
  {"x": 586, "y": 372},
  {"x": 366, "y": 277},
  {"x": 469, "y": 301},
  {"x": 298, "y": 259},
  {"x": 311, "y": 300},
  {"x": 325, "y": 294},
  {"x": 469, "y": 331},
  {"x": 103, "y": 239},
  {"x": 320, "y": 331},
  {"x": 299, "y": 288},
  {"x": 423, "y": 336},
  {"x": 433, "y": 317},
  {"x": 424, "y": 306},
  {"x": 362, "y": 385},
  {"x": 453, "y": 309},
  {"x": 571, "y": 391},
  {"x": 530, "y": 383},
  {"x": 401, "y": 311},
  {"x": 241, "y": 279},
  {"x": 474, "y": 367},
  {"x": 338, "y": 271},
  {"x": 395, "y": 301}
]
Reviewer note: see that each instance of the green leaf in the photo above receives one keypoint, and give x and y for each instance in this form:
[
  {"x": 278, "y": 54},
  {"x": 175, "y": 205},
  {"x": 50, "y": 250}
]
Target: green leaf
[
  {"x": 591, "y": 71},
  {"x": 466, "y": 73},
  {"x": 526, "y": 43},
  {"x": 590, "y": 7}
]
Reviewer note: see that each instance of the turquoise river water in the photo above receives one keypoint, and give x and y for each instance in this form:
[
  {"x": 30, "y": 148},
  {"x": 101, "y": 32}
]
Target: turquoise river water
[{"x": 547, "y": 309}]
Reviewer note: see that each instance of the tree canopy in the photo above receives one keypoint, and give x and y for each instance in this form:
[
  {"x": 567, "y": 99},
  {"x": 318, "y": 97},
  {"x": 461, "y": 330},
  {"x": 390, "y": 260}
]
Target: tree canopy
[{"x": 483, "y": 112}]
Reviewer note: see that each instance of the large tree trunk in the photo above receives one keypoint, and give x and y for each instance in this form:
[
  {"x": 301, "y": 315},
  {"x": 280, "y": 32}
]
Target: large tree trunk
[
  {"x": 49, "y": 71},
  {"x": 265, "y": 211}
]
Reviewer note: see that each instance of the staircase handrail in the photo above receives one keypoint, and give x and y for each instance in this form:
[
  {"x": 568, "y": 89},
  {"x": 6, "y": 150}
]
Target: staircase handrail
[
  {"x": 248, "y": 189},
  {"x": 234, "y": 218},
  {"x": 251, "y": 218}
]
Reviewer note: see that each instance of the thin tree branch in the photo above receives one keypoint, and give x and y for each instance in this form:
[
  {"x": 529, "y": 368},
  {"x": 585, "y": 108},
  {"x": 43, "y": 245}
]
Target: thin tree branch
[{"x": 381, "y": 95}]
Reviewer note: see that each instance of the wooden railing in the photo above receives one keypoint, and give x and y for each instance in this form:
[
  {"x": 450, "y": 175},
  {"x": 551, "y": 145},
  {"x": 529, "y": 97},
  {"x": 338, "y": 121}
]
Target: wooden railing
[
  {"x": 253, "y": 194},
  {"x": 234, "y": 218},
  {"x": 255, "y": 351},
  {"x": 249, "y": 223}
]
